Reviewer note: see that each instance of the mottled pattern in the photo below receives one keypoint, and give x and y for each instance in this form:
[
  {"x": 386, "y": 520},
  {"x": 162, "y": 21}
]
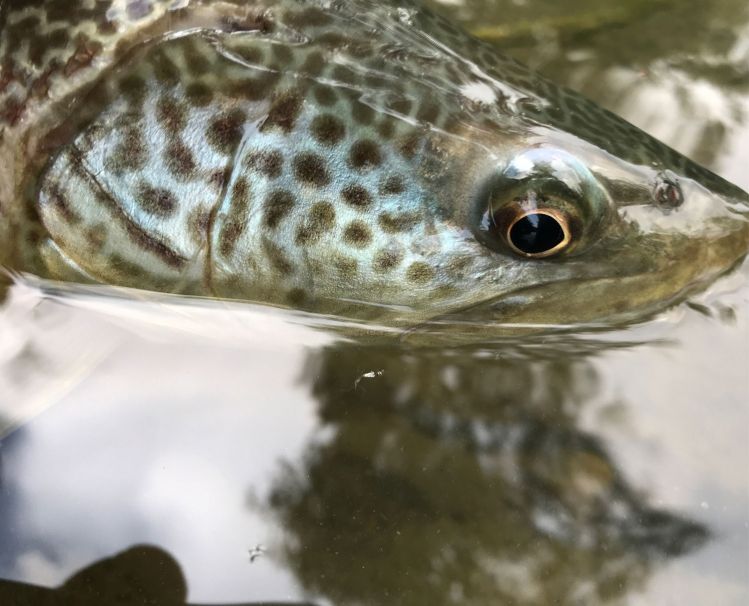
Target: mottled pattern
[
  {"x": 46, "y": 43},
  {"x": 323, "y": 155}
]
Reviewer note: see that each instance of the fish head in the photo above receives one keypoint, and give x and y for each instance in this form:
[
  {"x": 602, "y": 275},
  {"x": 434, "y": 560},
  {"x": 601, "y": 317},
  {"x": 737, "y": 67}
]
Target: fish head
[{"x": 565, "y": 231}]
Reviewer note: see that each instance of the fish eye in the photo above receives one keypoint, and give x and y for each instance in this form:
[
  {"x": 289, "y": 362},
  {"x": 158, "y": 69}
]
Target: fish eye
[
  {"x": 543, "y": 203},
  {"x": 532, "y": 224},
  {"x": 667, "y": 193},
  {"x": 539, "y": 233}
]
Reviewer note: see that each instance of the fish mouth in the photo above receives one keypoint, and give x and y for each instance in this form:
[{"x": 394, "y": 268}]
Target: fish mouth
[{"x": 604, "y": 296}]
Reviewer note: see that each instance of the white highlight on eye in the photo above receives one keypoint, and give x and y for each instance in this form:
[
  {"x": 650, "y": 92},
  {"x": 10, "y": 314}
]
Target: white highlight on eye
[
  {"x": 479, "y": 92},
  {"x": 522, "y": 166}
]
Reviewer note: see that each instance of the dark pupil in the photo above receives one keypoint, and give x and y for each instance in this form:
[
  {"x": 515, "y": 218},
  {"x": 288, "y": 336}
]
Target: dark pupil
[{"x": 536, "y": 233}]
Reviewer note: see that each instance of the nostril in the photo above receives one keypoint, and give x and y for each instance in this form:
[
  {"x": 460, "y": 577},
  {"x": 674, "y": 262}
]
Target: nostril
[{"x": 667, "y": 193}]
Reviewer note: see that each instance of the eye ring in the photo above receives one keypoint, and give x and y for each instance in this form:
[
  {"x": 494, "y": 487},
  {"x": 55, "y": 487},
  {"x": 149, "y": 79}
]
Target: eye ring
[{"x": 522, "y": 234}]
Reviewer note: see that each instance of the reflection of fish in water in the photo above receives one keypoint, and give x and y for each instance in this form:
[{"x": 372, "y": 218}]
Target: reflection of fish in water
[
  {"x": 466, "y": 471},
  {"x": 361, "y": 157},
  {"x": 140, "y": 575}
]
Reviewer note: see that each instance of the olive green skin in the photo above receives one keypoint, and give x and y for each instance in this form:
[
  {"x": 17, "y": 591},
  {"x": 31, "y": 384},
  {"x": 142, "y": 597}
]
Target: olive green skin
[{"x": 360, "y": 159}]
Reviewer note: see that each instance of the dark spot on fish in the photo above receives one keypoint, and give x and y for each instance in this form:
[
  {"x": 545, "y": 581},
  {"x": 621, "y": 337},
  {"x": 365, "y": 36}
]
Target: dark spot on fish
[
  {"x": 456, "y": 266},
  {"x": 198, "y": 94},
  {"x": 323, "y": 213},
  {"x": 179, "y": 159},
  {"x": 171, "y": 114},
  {"x": 236, "y": 219},
  {"x": 37, "y": 48},
  {"x": 296, "y": 297},
  {"x": 225, "y": 132},
  {"x": 34, "y": 237},
  {"x": 254, "y": 89},
  {"x": 409, "y": 145},
  {"x": 108, "y": 28},
  {"x": 310, "y": 168},
  {"x": 283, "y": 111},
  {"x": 230, "y": 234},
  {"x": 356, "y": 196},
  {"x": 269, "y": 163},
  {"x": 428, "y": 112},
  {"x": 29, "y": 23},
  {"x": 386, "y": 260},
  {"x": 277, "y": 258},
  {"x": 124, "y": 267},
  {"x": 357, "y": 234},
  {"x": 58, "y": 38},
  {"x": 392, "y": 223},
  {"x": 327, "y": 129},
  {"x": 344, "y": 74},
  {"x": 392, "y": 186},
  {"x": 133, "y": 88},
  {"x": 308, "y": 17},
  {"x": 198, "y": 224},
  {"x": 364, "y": 155},
  {"x": 239, "y": 195},
  {"x": 164, "y": 69},
  {"x": 346, "y": 266},
  {"x": 277, "y": 206},
  {"x": 282, "y": 53},
  {"x": 129, "y": 154},
  {"x": 400, "y": 105},
  {"x": 333, "y": 40},
  {"x": 156, "y": 201},
  {"x": 313, "y": 64},
  {"x": 375, "y": 80},
  {"x": 360, "y": 50},
  {"x": 40, "y": 86},
  {"x": 250, "y": 54},
  {"x": 419, "y": 272},
  {"x": 324, "y": 95},
  {"x": 96, "y": 236},
  {"x": 195, "y": 60},
  {"x": 452, "y": 124},
  {"x": 386, "y": 128},
  {"x": 321, "y": 218},
  {"x": 362, "y": 113}
]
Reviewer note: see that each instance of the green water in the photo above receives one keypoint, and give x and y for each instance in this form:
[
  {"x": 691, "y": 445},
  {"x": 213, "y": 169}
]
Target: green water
[{"x": 264, "y": 459}]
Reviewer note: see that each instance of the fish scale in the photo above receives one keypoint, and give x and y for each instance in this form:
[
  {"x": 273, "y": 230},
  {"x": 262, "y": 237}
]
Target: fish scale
[
  {"x": 330, "y": 156},
  {"x": 252, "y": 210}
]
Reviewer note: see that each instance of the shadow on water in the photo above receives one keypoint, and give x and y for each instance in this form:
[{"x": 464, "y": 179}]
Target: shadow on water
[
  {"x": 464, "y": 479},
  {"x": 142, "y": 574}
]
